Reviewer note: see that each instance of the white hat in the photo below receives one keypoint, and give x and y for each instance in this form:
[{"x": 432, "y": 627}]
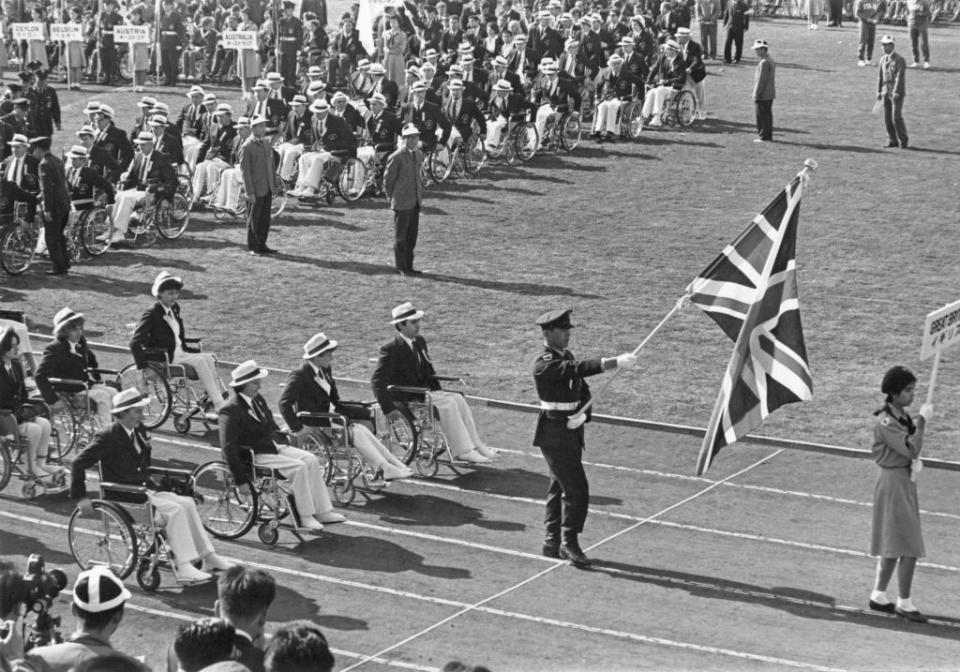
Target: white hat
[
  {"x": 572, "y": 42},
  {"x": 549, "y": 68},
  {"x": 339, "y": 96},
  {"x": 209, "y": 98},
  {"x": 465, "y": 48},
  {"x": 164, "y": 278},
  {"x": 405, "y": 311},
  {"x": 627, "y": 41},
  {"x": 243, "y": 122},
  {"x": 78, "y": 152},
  {"x": 158, "y": 120},
  {"x": 146, "y": 136},
  {"x": 147, "y": 101},
  {"x": 455, "y": 69},
  {"x": 261, "y": 84},
  {"x": 246, "y": 372},
  {"x": 502, "y": 85},
  {"x": 195, "y": 89},
  {"x": 92, "y": 106},
  {"x": 319, "y": 105},
  {"x": 409, "y": 129},
  {"x": 257, "y": 119},
  {"x": 615, "y": 58},
  {"x": 429, "y": 53},
  {"x": 683, "y": 31},
  {"x": 317, "y": 345},
  {"x": 298, "y": 99},
  {"x": 224, "y": 108},
  {"x": 378, "y": 98},
  {"x": 316, "y": 87},
  {"x": 86, "y": 130},
  {"x": 672, "y": 44},
  {"x": 363, "y": 63},
  {"x": 315, "y": 70},
  {"x": 18, "y": 140},
  {"x": 377, "y": 69},
  {"x": 274, "y": 77},
  {"x": 418, "y": 86},
  {"x": 887, "y": 39},
  {"x": 127, "y": 399},
  {"x": 455, "y": 85},
  {"x": 98, "y": 590},
  {"x": 160, "y": 108},
  {"x": 64, "y": 317},
  {"x": 106, "y": 110},
  {"x": 502, "y": 61},
  {"x": 761, "y": 44}
]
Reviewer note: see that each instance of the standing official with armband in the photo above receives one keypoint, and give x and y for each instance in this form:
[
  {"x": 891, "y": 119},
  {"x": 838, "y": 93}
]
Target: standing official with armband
[{"x": 559, "y": 378}]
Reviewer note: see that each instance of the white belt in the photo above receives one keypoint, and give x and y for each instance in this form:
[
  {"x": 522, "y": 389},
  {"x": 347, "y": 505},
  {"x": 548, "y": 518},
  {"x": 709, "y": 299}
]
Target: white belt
[{"x": 559, "y": 405}]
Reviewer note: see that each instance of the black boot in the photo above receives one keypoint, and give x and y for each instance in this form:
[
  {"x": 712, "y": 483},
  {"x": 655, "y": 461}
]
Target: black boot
[
  {"x": 551, "y": 548},
  {"x": 570, "y": 550}
]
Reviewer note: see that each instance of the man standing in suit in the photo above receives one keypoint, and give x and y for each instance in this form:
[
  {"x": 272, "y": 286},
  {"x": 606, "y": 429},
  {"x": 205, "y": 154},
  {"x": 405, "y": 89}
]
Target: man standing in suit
[
  {"x": 405, "y": 361},
  {"x": 403, "y": 184},
  {"x": 257, "y": 171},
  {"x": 56, "y": 204},
  {"x": 891, "y": 89},
  {"x": 764, "y": 91}
]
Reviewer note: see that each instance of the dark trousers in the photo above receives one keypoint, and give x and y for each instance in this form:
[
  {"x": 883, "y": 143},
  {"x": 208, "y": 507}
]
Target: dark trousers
[
  {"x": 836, "y": 12},
  {"x": 107, "y": 54},
  {"x": 258, "y": 222},
  {"x": 868, "y": 33},
  {"x": 406, "y": 226},
  {"x": 568, "y": 495},
  {"x": 169, "y": 64},
  {"x": 765, "y": 119},
  {"x": 288, "y": 67},
  {"x": 56, "y": 242},
  {"x": 708, "y": 39},
  {"x": 893, "y": 118},
  {"x": 920, "y": 41},
  {"x": 734, "y": 37}
]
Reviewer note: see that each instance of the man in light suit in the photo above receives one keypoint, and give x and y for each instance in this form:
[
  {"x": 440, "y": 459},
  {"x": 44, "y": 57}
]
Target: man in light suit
[
  {"x": 403, "y": 184},
  {"x": 764, "y": 91},
  {"x": 257, "y": 170},
  {"x": 891, "y": 89}
]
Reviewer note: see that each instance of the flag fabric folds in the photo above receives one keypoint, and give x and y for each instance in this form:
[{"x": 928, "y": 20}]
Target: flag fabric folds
[{"x": 750, "y": 290}]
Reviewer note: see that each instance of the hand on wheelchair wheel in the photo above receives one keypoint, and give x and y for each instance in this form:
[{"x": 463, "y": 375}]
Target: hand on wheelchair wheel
[
  {"x": 85, "y": 507},
  {"x": 396, "y": 414}
]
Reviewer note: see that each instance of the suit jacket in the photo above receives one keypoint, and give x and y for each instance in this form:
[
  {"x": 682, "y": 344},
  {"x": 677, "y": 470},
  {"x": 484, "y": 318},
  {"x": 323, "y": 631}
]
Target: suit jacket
[
  {"x": 29, "y": 176},
  {"x": 297, "y": 129},
  {"x": 399, "y": 365},
  {"x": 257, "y": 167},
  {"x": 81, "y": 187},
  {"x": 893, "y": 75},
  {"x": 337, "y": 135},
  {"x": 170, "y": 144},
  {"x": 153, "y": 331},
  {"x": 189, "y": 121},
  {"x": 103, "y": 162},
  {"x": 428, "y": 119},
  {"x": 693, "y": 61},
  {"x": 53, "y": 187},
  {"x": 546, "y": 42},
  {"x": 468, "y": 113},
  {"x": 61, "y": 361},
  {"x": 121, "y": 459},
  {"x": 560, "y": 98},
  {"x": 384, "y": 131},
  {"x": 13, "y": 390},
  {"x": 118, "y": 145},
  {"x": 241, "y": 429},
  {"x": 763, "y": 80},
  {"x": 161, "y": 176},
  {"x": 304, "y": 392},
  {"x": 667, "y": 71},
  {"x": 390, "y": 91},
  {"x": 219, "y": 144},
  {"x": 402, "y": 179},
  {"x": 276, "y": 112}
]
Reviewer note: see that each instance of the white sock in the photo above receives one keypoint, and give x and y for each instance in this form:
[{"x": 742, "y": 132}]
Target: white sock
[
  {"x": 905, "y": 604},
  {"x": 880, "y": 597}
]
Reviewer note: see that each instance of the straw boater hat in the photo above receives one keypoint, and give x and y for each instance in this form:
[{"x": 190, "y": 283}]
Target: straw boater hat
[
  {"x": 340, "y": 96},
  {"x": 78, "y": 152},
  {"x": 64, "y": 317},
  {"x": 759, "y": 44},
  {"x": 165, "y": 280},
  {"x": 319, "y": 105},
  {"x": 196, "y": 90},
  {"x": 224, "y": 108},
  {"x": 503, "y": 86},
  {"x": 127, "y": 399},
  {"x": 146, "y": 136},
  {"x": 378, "y": 98},
  {"x": 887, "y": 39},
  {"x": 106, "y": 111},
  {"x": 418, "y": 86},
  {"x": 299, "y": 100},
  {"x": 405, "y": 311},
  {"x": 274, "y": 77},
  {"x": 317, "y": 86},
  {"x": 317, "y": 345},
  {"x": 409, "y": 129},
  {"x": 18, "y": 140},
  {"x": 243, "y": 122},
  {"x": 147, "y": 101},
  {"x": 245, "y": 373},
  {"x": 92, "y": 106},
  {"x": 86, "y": 130},
  {"x": 257, "y": 119},
  {"x": 98, "y": 590},
  {"x": 377, "y": 69}
]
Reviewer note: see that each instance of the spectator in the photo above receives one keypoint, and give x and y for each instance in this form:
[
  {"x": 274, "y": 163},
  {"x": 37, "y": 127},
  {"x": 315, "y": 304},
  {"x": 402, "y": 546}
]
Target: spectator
[
  {"x": 918, "y": 21},
  {"x": 111, "y": 662},
  {"x": 243, "y": 598},
  {"x": 298, "y": 648},
  {"x": 11, "y": 634},
  {"x": 204, "y": 642}
]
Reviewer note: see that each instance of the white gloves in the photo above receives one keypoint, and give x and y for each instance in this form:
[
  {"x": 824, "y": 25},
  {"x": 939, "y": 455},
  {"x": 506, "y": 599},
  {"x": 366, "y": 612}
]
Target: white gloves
[
  {"x": 627, "y": 361},
  {"x": 575, "y": 421},
  {"x": 926, "y": 412},
  {"x": 916, "y": 466}
]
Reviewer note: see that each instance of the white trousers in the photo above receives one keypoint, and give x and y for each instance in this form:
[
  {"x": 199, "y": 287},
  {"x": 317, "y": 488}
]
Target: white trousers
[
  {"x": 454, "y": 138},
  {"x": 191, "y": 150},
  {"x": 186, "y": 537},
  {"x": 371, "y": 449},
  {"x": 304, "y": 478},
  {"x": 457, "y": 423},
  {"x": 607, "y": 117},
  {"x": 495, "y": 131},
  {"x": 206, "y": 368},
  {"x": 699, "y": 93},
  {"x": 206, "y": 174},
  {"x": 366, "y": 154},
  {"x": 102, "y": 397},
  {"x": 544, "y": 113},
  {"x": 228, "y": 193},
  {"x": 37, "y": 433},
  {"x": 311, "y": 169},
  {"x": 123, "y": 205},
  {"x": 289, "y": 155},
  {"x": 655, "y": 100}
]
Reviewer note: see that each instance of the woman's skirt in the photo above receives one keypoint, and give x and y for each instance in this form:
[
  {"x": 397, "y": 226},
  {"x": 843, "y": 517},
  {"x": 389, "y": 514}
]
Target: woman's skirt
[{"x": 896, "y": 516}]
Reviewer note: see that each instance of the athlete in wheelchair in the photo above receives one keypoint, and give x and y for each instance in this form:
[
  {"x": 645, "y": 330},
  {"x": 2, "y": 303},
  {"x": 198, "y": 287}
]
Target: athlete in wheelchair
[
  {"x": 553, "y": 98},
  {"x": 226, "y": 193},
  {"x": 665, "y": 81},
  {"x": 89, "y": 193},
  {"x": 176, "y": 533},
  {"x": 509, "y": 132},
  {"x": 334, "y": 143},
  {"x": 216, "y": 152},
  {"x": 150, "y": 179},
  {"x": 383, "y": 129},
  {"x": 311, "y": 389},
  {"x": 617, "y": 107},
  {"x": 465, "y": 144},
  {"x": 297, "y": 136}
]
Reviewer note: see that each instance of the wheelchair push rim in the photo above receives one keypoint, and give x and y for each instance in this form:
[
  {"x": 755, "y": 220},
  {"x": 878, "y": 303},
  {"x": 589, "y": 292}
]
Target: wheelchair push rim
[
  {"x": 18, "y": 245},
  {"x": 227, "y": 510},
  {"x": 107, "y": 539},
  {"x": 161, "y": 398},
  {"x": 96, "y": 231}
]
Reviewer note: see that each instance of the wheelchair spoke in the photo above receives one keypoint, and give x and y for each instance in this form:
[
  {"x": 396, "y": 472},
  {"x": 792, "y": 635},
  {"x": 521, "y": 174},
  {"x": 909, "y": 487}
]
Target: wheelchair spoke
[
  {"x": 106, "y": 540},
  {"x": 226, "y": 509}
]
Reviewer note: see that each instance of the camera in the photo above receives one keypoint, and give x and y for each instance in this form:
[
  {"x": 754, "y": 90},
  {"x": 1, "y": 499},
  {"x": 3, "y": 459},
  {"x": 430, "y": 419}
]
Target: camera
[{"x": 36, "y": 590}]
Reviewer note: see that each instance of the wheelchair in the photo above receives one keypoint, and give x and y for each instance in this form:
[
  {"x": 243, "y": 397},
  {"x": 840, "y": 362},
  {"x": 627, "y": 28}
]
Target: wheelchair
[
  {"x": 466, "y": 158},
  {"x": 345, "y": 175},
  {"x": 13, "y": 449},
  {"x": 229, "y": 510},
  {"x": 519, "y": 141},
  {"x": 89, "y": 231},
  {"x": 631, "y": 119},
  {"x": 167, "y": 216},
  {"x": 563, "y": 131},
  {"x": 678, "y": 110},
  {"x": 124, "y": 534},
  {"x": 277, "y": 205},
  {"x": 76, "y": 423},
  {"x": 171, "y": 391},
  {"x": 18, "y": 241},
  {"x": 416, "y": 435}
]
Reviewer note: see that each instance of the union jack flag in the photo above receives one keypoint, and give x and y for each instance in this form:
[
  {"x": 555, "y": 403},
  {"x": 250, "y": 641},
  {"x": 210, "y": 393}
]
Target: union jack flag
[{"x": 750, "y": 290}]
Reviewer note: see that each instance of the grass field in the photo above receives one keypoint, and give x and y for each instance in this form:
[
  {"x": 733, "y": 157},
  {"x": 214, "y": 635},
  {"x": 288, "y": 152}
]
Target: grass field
[{"x": 615, "y": 232}]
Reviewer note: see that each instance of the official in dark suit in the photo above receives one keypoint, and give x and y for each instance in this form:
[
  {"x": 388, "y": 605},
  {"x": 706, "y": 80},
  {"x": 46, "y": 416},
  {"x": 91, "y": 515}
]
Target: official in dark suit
[
  {"x": 403, "y": 185},
  {"x": 312, "y": 389},
  {"x": 122, "y": 451},
  {"x": 558, "y": 377},
  {"x": 257, "y": 170},
  {"x": 246, "y": 423},
  {"x": 56, "y": 204},
  {"x": 150, "y": 172},
  {"x": 405, "y": 361}
]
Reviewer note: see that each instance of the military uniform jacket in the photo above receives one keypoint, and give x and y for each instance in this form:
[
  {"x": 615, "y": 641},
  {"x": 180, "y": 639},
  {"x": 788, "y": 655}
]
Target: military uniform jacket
[
  {"x": 53, "y": 187},
  {"x": 44, "y": 110},
  {"x": 384, "y": 130},
  {"x": 172, "y": 32},
  {"x": 105, "y": 28},
  {"x": 246, "y": 427},
  {"x": 121, "y": 458},
  {"x": 305, "y": 392},
  {"x": 398, "y": 364},
  {"x": 893, "y": 75},
  {"x": 428, "y": 119},
  {"x": 291, "y": 34},
  {"x": 154, "y": 332},
  {"x": 559, "y": 380}
]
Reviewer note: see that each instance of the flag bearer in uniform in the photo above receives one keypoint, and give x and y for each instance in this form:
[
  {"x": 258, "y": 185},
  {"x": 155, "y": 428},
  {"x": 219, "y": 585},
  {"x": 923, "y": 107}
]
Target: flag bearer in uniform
[{"x": 559, "y": 378}]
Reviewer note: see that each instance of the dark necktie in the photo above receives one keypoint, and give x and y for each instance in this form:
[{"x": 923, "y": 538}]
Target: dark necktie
[{"x": 256, "y": 409}]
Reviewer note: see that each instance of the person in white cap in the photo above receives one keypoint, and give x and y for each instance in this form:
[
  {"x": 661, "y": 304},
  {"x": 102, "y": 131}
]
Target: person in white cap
[
  {"x": 231, "y": 180},
  {"x": 312, "y": 389},
  {"x": 19, "y": 175},
  {"x": 271, "y": 109},
  {"x": 405, "y": 361},
  {"x": 122, "y": 452},
  {"x": 150, "y": 171},
  {"x": 112, "y": 139},
  {"x": 501, "y": 71},
  {"x": 403, "y": 185},
  {"x": 615, "y": 92},
  {"x": 327, "y": 132},
  {"x": 98, "y": 605},
  {"x": 297, "y": 135},
  {"x": 764, "y": 91},
  {"x": 161, "y": 328},
  {"x": 891, "y": 89},
  {"x": 692, "y": 54},
  {"x": 246, "y": 423},
  {"x": 667, "y": 76},
  {"x": 82, "y": 180},
  {"x": 554, "y": 95},
  {"x": 216, "y": 152}
]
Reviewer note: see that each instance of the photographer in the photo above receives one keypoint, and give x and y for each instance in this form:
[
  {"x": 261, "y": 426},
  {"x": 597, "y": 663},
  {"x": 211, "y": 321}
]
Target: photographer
[
  {"x": 11, "y": 633},
  {"x": 98, "y": 601},
  {"x": 204, "y": 643}
]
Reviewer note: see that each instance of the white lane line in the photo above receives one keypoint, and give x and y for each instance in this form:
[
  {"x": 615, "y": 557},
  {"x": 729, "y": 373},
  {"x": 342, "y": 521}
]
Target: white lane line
[
  {"x": 447, "y": 540},
  {"x": 464, "y": 607}
]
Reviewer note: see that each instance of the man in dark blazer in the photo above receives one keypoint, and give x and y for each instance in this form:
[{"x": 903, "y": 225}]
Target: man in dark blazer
[
  {"x": 215, "y": 150},
  {"x": 427, "y": 117},
  {"x": 56, "y": 204},
  {"x": 82, "y": 180},
  {"x": 462, "y": 113},
  {"x": 502, "y": 71},
  {"x": 150, "y": 172},
  {"x": 114, "y": 140},
  {"x": 403, "y": 185},
  {"x": 388, "y": 88},
  {"x": 167, "y": 140},
  {"x": 383, "y": 127},
  {"x": 246, "y": 424},
  {"x": 161, "y": 328},
  {"x": 19, "y": 177},
  {"x": 257, "y": 170},
  {"x": 101, "y": 160},
  {"x": 404, "y": 361},
  {"x": 273, "y": 110},
  {"x": 122, "y": 452}
]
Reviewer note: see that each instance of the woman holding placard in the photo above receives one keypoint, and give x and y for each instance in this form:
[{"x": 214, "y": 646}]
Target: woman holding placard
[
  {"x": 249, "y": 58},
  {"x": 37, "y": 49},
  {"x": 76, "y": 60},
  {"x": 139, "y": 53}
]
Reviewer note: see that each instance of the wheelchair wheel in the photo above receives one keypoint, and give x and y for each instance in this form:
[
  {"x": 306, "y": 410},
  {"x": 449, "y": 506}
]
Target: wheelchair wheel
[
  {"x": 172, "y": 218},
  {"x": 525, "y": 141},
  {"x": 279, "y": 203},
  {"x": 181, "y": 423},
  {"x": 158, "y": 389},
  {"x": 570, "y": 131},
  {"x": 403, "y": 439},
  {"x": 96, "y": 231},
  {"x": 74, "y": 246},
  {"x": 634, "y": 120},
  {"x": 29, "y": 489},
  {"x": 440, "y": 163},
  {"x": 227, "y": 510},
  {"x": 353, "y": 178},
  {"x": 142, "y": 232},
  {"x": 18, "y": 244},
  {"x": 319, "y": 445},
  {"x": 685, "y": 106},
  {"x": 268, "y": 533},
  {"x": 427, "y": 465},
  {"x": 148, "y": 575},
  {"x": 344, "y": 491},
  {"x": 185, "y": 187},
  {"x": 474, "y": 156},
  {"x": 65, "y": 425},
  {"x": 107, "y": 539},
  {"x": 6, "y": 466}
]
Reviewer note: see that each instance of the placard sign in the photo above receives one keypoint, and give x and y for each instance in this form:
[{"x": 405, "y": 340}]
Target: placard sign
[
  {"x": 239, "y": 39},
  {"x": 27, "y": 31},
  {"x": 132, "y": 34},
  {"x": 941, "y": 330},
  {"x": 66, "y": 32}
]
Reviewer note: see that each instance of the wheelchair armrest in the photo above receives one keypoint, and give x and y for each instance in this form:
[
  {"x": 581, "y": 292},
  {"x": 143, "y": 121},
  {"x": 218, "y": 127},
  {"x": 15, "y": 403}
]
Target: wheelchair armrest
[
  {"x": 408, "y": 389},
  {"x": 108, "y": 372},
  {"x": 452, "y": 379},
  {"x": 73, "y": 382},
  {"x": 168, "y": 471},
  {"x": 319, "y": 416},
  {"x": 193, "y": 340},
  {"x": 156, "y": 355},
  {"x": 139, "y": 492}
]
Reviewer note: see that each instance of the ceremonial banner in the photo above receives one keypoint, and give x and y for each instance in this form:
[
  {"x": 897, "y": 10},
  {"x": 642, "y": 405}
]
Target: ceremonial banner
[
  {"x": 239, "y": 39},
  {"x": 138, "y": 34},
  {"x": 370, "y": 10},
  {"x": 941, "y": 330},
  {"x": 27, "y": 31},
  {"x": 66, "y": 32},
  {"x": 750, "y": 290}
]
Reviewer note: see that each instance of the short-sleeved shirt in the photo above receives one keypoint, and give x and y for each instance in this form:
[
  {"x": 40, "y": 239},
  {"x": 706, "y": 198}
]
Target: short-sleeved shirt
[{"x": 892, "y": 444}]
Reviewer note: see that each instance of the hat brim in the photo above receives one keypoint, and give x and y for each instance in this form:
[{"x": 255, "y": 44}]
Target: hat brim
[
  {"x": 155, "y": 290},
  {"x": 73, "y": 318},
  {"x": 136, "y": 404},
  {"x": 416, "y": 316},
  {"x": 332, "y": 345},
  {"x": 261, "y": 373}
]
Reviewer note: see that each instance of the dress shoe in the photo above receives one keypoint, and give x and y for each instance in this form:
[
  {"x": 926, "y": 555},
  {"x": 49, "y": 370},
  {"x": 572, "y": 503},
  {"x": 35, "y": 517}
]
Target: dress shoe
[
  {"x": 57, "y": 271},
  {"x": 310, "y": 525},
  {"x": 487, "y": 451},
  {"x": 576, "y": 556},
  {"x": 551, "y": 549},
  {"x": 473, "y": 457},
  {"x": 214, "y": 563},
  {"x": 913, "y": 616},
  {"x": 269, "y": 250},
  {"x": 887, "y": 608},
  {"x": 331, "y": 517},
  {"x": 392, "y": 473},
  {"x": 891, "y": 144},
  {"x": 414, "y": 271},
  {"x": 903, "y": 145},
  {"x": 188, "y": 573}
]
